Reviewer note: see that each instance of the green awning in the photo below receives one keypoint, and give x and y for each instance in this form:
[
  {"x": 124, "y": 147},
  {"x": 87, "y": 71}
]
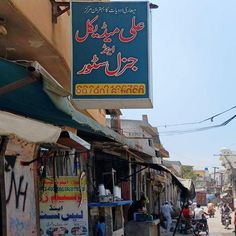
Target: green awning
[
  {"x": 30, "y": 100},
  {"x": 46, "y": 101}
]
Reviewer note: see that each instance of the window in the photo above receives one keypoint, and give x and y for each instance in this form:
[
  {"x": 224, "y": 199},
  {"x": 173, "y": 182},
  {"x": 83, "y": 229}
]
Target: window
[
  {"x": 150, "y": 142},
  {"x": 156, "y": 153}
]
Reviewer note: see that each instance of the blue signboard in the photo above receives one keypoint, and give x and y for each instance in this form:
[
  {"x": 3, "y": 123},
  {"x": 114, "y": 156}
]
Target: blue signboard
[{"x": 110, "y": 49}]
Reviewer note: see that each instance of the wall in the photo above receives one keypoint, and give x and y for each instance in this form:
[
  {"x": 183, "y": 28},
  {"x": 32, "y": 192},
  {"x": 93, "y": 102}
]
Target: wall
[
  {"x": 20, "y": 189},
  {"x": 39, "y": 13},
  {"x": 96, "y": 114},
  {"x": 50, "y": 46},
  {"x": 131, "y": 128}
]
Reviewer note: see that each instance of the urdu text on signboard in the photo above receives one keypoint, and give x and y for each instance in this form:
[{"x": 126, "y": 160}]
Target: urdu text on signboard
[{"x": 111, "y": 54}]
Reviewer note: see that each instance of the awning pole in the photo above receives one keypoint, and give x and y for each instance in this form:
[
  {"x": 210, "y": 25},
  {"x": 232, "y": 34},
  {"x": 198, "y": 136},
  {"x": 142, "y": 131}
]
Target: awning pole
[
  {"x": 180, "y": 214},
  {"x": 19, "y": 84},
  {"x": 136, "y": 172}
]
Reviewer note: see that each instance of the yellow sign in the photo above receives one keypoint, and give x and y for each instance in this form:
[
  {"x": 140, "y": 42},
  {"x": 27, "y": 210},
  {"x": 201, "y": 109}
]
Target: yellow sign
[
  {"x": 63, "y": 206},
  {"x": 110, "y": 89}
]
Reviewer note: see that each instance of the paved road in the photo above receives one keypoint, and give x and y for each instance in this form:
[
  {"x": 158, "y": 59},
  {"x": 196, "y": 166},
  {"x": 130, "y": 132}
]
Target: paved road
[{"x": 215, "y": 228}]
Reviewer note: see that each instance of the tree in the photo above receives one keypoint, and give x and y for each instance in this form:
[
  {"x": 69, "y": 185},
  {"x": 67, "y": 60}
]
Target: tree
[{"x": 188, "y": 173}]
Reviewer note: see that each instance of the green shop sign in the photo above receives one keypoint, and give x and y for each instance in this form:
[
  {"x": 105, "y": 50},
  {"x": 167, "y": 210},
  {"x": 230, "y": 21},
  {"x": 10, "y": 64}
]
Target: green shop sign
[{"x": 110, "y": 49}]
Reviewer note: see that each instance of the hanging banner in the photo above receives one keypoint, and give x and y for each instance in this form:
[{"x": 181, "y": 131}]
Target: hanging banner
[
  {"x": 111, "y": 54},
  {"x": 64, "y": 206}
]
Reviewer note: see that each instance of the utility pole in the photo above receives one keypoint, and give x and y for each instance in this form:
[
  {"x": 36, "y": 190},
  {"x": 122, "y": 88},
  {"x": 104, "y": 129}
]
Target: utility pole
[
  {"x": 215, "y": 168},
  {"x": 215, "y": 171}
]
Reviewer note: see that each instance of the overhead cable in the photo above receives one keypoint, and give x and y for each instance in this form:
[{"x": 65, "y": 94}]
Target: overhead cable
[
  {"x": 177, "y": 132},
  {"x": 198, "y": 122}
]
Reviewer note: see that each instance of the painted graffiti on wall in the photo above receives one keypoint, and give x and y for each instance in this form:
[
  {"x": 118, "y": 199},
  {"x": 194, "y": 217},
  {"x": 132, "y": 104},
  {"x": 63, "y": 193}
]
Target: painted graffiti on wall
[{"x": 17, "y": 188}]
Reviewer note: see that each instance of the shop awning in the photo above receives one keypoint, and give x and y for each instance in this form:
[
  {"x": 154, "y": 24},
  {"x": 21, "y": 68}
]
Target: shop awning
[
  {"x": 178, "y": 181},
  {"x": 33, "y": 131},
  {"x": 28, "y": 129},
  {"x": 188, "y": 184},
  {"x": 29, "y": 90},
  {"x": 70, "y": 139}
]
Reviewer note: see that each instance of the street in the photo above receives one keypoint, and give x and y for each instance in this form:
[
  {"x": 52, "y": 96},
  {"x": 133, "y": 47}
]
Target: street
[
  {"x": 113, "y": 117},
  {"x": 215, "y": 227}
]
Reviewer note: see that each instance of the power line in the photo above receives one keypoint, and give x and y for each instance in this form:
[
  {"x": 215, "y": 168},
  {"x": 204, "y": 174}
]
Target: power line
[
  {"x": 178, "y": 132},
  {"x": 198, "y": 122}
]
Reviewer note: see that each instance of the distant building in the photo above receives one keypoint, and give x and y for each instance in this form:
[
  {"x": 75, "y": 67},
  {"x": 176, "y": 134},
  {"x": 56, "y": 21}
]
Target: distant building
[
  {"x": 228, "y": 161},
  {"x": 175, "y": 166},
  {"x": 144, "y": 134},
  {"x": 218, "y": 180}
]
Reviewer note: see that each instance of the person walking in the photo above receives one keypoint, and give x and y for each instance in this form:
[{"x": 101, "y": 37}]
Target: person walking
[{"x": 167, "y": 210}]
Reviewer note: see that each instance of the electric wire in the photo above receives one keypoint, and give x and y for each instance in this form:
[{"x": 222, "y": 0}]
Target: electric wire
[
  {"x": 178, "y": 132},
  {"x": 211, "y": 118}
]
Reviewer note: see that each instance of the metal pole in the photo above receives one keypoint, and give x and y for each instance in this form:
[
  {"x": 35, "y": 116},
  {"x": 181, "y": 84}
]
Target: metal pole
[
  {"x": 180, "y": 214},
  {"x": 215, "y": 176}
]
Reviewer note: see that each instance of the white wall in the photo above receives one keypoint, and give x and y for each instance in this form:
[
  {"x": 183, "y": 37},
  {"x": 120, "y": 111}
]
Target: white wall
[{"x": 20, "y": 189}]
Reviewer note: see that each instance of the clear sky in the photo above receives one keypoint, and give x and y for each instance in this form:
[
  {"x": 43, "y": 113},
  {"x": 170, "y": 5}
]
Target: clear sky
[{"x": 194, "y": 77}]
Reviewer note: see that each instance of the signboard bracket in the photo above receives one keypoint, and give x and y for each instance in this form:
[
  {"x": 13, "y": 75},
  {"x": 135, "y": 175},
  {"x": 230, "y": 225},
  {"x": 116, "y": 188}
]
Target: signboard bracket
[
  {"x": 153, "y": 6},
  {"x": 57, "y": 9}
]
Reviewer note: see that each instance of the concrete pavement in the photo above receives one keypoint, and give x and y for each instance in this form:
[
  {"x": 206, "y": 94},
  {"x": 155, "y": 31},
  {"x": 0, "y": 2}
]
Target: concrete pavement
[{"x": 217, "y": 229}]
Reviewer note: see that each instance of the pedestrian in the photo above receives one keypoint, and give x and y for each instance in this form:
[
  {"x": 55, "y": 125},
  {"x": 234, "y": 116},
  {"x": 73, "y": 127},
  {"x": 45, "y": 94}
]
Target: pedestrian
[
  {"x": 173, "y": 208},
  {"x": 100, "y": 228},
  {"x": 167, "y": 210}
]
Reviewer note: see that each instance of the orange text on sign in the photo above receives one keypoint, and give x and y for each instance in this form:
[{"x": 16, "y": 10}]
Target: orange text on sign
[{"x": 110, "y": 89}]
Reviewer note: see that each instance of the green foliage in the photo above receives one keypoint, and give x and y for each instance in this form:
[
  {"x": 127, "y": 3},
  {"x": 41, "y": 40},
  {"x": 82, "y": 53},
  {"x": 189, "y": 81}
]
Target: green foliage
[{"x": 188, "y": 173}]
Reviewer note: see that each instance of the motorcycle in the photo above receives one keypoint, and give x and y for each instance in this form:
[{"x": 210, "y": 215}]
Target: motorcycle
[
  {"x": 226, "y": 220},
  {"x": 211, "y": 212},
  {"x": 200, "y": 227},
  {"x": 185, "y": 226}
]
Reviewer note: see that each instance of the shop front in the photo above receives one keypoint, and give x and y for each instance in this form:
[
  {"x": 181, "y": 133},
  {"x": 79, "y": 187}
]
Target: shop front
[
  {"x": 29, "y": 91},
  {"x": 111, "y": 196},
  {"x": 19, "y": 137},
  {"x": 62, "y": 188}
]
